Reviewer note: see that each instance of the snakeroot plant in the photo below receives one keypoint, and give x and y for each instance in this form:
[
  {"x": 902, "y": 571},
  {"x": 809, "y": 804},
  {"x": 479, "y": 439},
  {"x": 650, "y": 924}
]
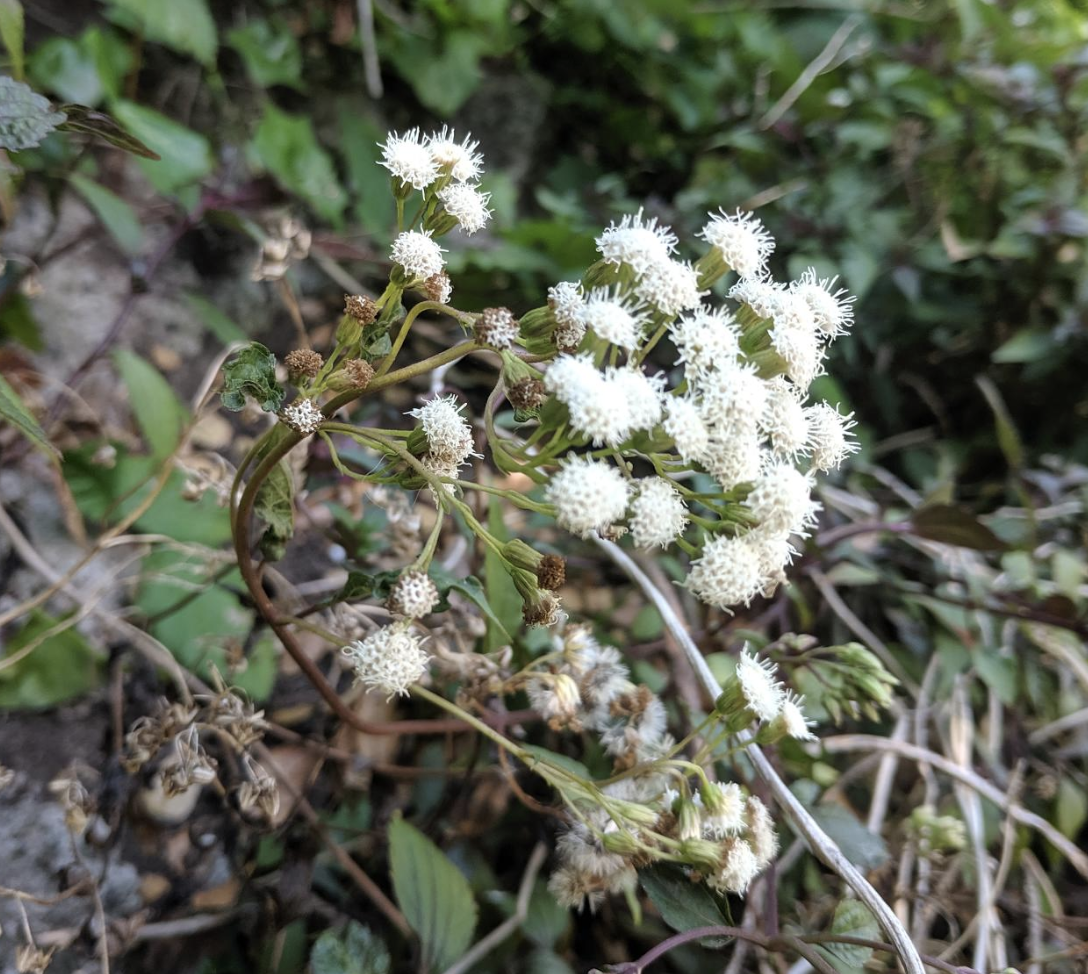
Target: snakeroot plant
[{"x": 632, "y": 405}]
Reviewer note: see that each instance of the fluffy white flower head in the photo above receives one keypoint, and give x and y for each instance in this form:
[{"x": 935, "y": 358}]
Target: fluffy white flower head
[
  {"x": 589, "y": 397},
  {"x": 636, "y": 242},
  {"x": 762, "y": 691},
  {"x": 414, "y": 595},
  {"x": 459, "y": 159},
  {"x": 658, "y": 514},
  {"x": 829, "y": 432},
  {"x": 781, "y": 500},
  {"x": 418, "y": 254},
  {"x": 734, "y": 399},
  {"x": 739, "y": 867},
  {"x": 706, "y": 341},
  {"x": 761, "y": 294},
  {"x": 636, "y": 397},
  {"x": 466, "y": 204},
  {"x": 566, "y": 301},
  {"x": 793, "y": 715},
  {"x": 588, "y": 495},
  {"x": 617, "y": 320},
  {"x": 303, "y": 416},
  {"x": 684, "y": 423},
  {"x": 724, "y": 810},
  {"x": 742, "y": 239},
  {"x": 799, "y": 348},
  {"x": 671, "y": 286},
  {"x": 449, "y": 437},
  {"x": 409, "y": 160},
  {"x": 726, "y": 574},
  {"x": 833, "y": 310},
  {"x": 785, "y": 420},
  {"x": 390, "y": 659}
]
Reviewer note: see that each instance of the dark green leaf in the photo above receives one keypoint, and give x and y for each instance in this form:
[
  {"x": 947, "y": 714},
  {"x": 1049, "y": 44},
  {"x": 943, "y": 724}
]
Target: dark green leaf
[
  {"x": 13, "y": 411},
  {"x": 852, "y": 919},
  {"x": 61, "y": 667},
  {"x": 157, "y": 411},
  {"x": 287, "y": 146},
  {"x": 105, "y": 128},
  {"x": 683, "y": 905},
  {"x": 25, "y": 116},
  {"x": 252, "y": 372},
  {"x": 435, "y": 897},
  {"x": 184, "y": 25},
  {"x": 116, "y": 215},
  {"x": 502, "y": 596},
  {"x": 546, "y": 922},
  {"x": 17, "y": 321},
  {"x": 271, "y": 53},
  {"x": 362, "y": 585},
  {"x": 258, "y": 677},
  {"x": 1007, "y": 435},
  {"x": 353, "y": 950},
  {"x": 11, "y": 34},
  {"x": 470, "y": 588},
  {"x": 953, "y": 525},
  {"x": 275, "y": 505},
  {"x": 863, "y": 848}
]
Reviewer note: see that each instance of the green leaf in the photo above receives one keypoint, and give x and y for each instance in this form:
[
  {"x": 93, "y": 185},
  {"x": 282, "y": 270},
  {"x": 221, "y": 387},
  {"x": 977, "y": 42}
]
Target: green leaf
[
  {"x": 471, "y": 588},
  {"x": 258, "y": 678},
  {"x": 953, "y": 525},
  {"x": 252, "y": 372},
  {"x": 185, "y": 156},
  {"x": 502, "y": 596},
  {"x": 1027, "y": 345},
  {"x": 360, "y": 138},
  {"x": 17, "y": 321},
  {"x": 13, "y": 411},
  {"x": 99, "y": 125},
  {"x": 116, "y": 215},
  {"x": 353, "y": 950},
  {"x": 61, "y": 667},
  {"x": 546, "y": 922},
  {"x": 445, "y": 79},
  {"x": 25, "y": 116},
  {"x": 226, "y": 330},
  {"x": 545, "y": 756},
  {"x": 184, "y": 25},
  {"x": 271, "y": 53},
  {"x": 157, "y": 410},
  {"x": 865, "y": 849},
  {"x": 683, "y": 905},
  {"x": 288, "y": 148},
  {"x": 1072, "y": 808},
  {"x": 275, "y": 505},
  {"x": 1008, "y": 437},
  {"x": 11, "y": 34},
  {"x": 852, "y": 919},
  {"x": 435, "y": 897}
]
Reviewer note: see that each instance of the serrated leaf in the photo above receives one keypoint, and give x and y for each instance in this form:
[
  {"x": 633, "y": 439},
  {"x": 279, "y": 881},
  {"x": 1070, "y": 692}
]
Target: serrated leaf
[
  {"x": 157, "y": 410},
  {"x": 105, "y": 128},
  {"x": 11, "y": 34},
  {"x": 116, "y": 215},
  {"x": 275, "y": 505},
  {"x": 434, "y": 896},
  {"x": 852, "y": 919},
  {"x": 252, "y": 372},
  {"x": 184, "y": 25},
  {"x": 683, "y": 905},
  {"x": 13, "y": 411},
  {"x": 353, "y": 950},
  {"x": 25, "y": 116},
  {"x": 953, "y": 525}
]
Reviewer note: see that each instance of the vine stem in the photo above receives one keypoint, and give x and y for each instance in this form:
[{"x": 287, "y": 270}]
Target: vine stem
[{"x": 820, "y": 842}]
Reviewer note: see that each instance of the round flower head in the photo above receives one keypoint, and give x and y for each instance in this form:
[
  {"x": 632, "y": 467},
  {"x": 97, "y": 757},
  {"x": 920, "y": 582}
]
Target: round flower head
[
  {"x": 781, "y": 500},
  {"x": 724, "y": 810},
  {"x": 636, "y": 397},
  {"x": 588, "y": 495},
  {"x": 799, "y": 349},
  {"x": 761, "y": 690},
  {"x": 671, "y": 286},
  {"x": 706, "y": 341},
  {"x": 785, "y": 420},
  {"x": 742, "y": 239},
  {"x": 726, "y": 574},
  {"x": 390, "y": 659},
  {"x": 774, "y": 552},
  {"x": 658, "y": 514},
  {"x": 761, "y": 834},
  {"x": 734, "y": 399},
  {"x": 828, "y": 430},
  {"x": 611, "y": 317},
  {"x": 637, "y": 243},
  {"x": 418, "y": 254},
  {"x": 684, "y": 423},
  {"x": 797, "y": 725},
  {"x": 556, "y": 698},
  {"x": 459, "y": 159},
  {"x": 589, "y": 397},
  {"x": 303, "y": 416},
  {"x": 413, "y": 595},
  {"x": 439, "y": 287},
  {"x": 832, "y": 310},
  {"x": 566, "y": 301},
  {"x": 734, "y": 459},
  {"x": 466, "y": 204},
  {"x": 761, "y": 294},
  {"x": 497, "y": 327},
  {"x": 739, "y": 867},
  {"x": 449, "y": 437},
  {"x": 409, "y": 160}
]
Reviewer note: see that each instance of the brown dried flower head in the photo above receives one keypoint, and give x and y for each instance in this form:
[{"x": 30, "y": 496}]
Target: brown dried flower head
[
  {"x": 304, "y": 362},
  {"x": 360, "y": 307},
  {"x": 551, "y": 573},
  {"x": 438, "y": 287},
  {"x": 359, "y": 373},
  {"x": 527, "y": 394}
]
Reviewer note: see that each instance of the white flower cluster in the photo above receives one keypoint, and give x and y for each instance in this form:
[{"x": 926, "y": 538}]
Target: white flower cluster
[
  {"x": 737, "y": 412},
  {"x": 390, "y": 659},
  {"x": 449, "y": 437},
  {"x": 756, "y": 694},
  {"x": 418, "y": 254}
]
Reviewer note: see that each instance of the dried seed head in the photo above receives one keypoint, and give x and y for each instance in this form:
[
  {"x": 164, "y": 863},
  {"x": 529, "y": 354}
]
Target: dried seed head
[
  {"x": 527, "y": 394},
  {"x": 303, "y": 416},
  {"x": 497, "y": 327},
  {"x": 414, "y": 595},
  {"x": 438, "y": 287},
  {"x": 260, "y": 792},
  {"x": 304, "y": 362},
  {"x": 361, "y": 308},
  {"x": 551, "y": 573},
  {"x": 543, "y": 612},
  {"x": 359, "y": 373}
]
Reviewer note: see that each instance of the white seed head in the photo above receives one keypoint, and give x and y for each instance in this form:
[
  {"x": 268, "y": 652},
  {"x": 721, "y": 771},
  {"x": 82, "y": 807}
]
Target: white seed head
[
  {"x": 724, "y": 815},
  {"x": 637, "y": 734},
  {"x": 303, "y": 416},
  {"x": 466, "y": 204},
  {"x": 785, "y": 420},
  {"x": 449, "y": 437},
  {"x": 413, "y": 595},
  {"x": 671, "y": 286},
  {"x": 829, "y": 433},
  {"x": 602, "y": 675},
  {"x": 781, "y": 500},
  {"x": 588, "y": 495},
  {"x": 418, "y": 254},
  {"x": 390, "y": 659},
  {"x": 761, "y": 833},
  {"x": 739, "y": 867},
  {"x": 459, "y": 159},
  {"x": 574, "y": 890},
  {"x": 658, "y": 514},
  {"x": 727, "y": 573},
  {"x": 833, "y": 310},
  {"x": 555, "y": 697},
  {"x": 408, "y": 159},
  {"x": 614, "y": 318},
  {"x": 757, "y": 681},
  {"x": 742, "y": 239},
  {"x": 636, "y": 242}
]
